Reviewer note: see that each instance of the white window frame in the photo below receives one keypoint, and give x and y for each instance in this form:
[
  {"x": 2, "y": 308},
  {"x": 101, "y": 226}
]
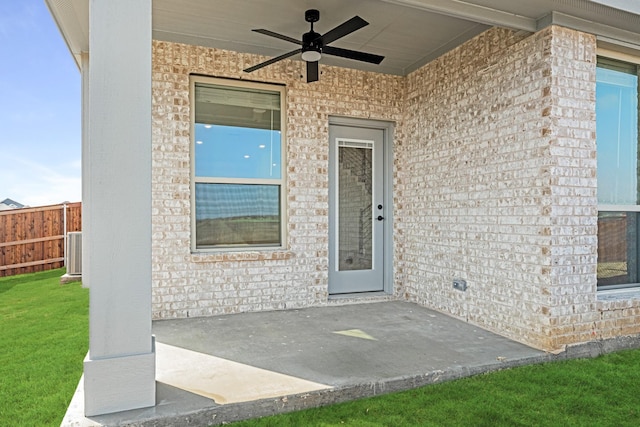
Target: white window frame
[
  {"x": 622, "y": 57},
  {"x": 282, "y": 182}
]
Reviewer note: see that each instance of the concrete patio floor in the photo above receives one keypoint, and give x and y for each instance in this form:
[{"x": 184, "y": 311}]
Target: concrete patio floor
[{"x": 226, "y": 368}]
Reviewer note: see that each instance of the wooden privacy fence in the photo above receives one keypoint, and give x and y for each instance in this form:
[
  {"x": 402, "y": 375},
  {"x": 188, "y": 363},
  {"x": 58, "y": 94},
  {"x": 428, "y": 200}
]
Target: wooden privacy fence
[{"x": 33, "y": 239}]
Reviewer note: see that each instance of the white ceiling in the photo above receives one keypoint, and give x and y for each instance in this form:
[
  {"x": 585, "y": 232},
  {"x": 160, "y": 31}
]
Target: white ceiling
[
  {"x": 406, "y": 37},
  {"x": 409, "y": 33}
]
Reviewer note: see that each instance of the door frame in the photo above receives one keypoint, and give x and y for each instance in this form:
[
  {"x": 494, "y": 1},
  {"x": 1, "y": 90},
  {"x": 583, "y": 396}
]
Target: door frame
[{"x": 387, "y": 129}]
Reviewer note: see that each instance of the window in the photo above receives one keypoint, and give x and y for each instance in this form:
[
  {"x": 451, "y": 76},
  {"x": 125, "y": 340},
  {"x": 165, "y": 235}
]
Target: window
[
  {"x": 237, "y": 167},
  {"x": 618, "y": 199}
]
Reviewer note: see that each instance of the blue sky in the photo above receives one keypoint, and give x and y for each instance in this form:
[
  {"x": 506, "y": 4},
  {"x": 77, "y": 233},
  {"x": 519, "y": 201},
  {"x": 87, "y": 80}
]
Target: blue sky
[{"x": 40, "y": 130}]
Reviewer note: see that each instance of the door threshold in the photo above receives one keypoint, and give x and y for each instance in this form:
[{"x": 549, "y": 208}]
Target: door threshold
[{"x": 360, "y": 298}]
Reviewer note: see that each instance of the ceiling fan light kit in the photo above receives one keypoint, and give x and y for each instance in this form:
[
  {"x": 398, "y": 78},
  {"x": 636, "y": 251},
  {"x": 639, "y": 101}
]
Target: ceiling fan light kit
[
  {"x": 311, "y": 55},
  {"x": 314, "y": 45}
]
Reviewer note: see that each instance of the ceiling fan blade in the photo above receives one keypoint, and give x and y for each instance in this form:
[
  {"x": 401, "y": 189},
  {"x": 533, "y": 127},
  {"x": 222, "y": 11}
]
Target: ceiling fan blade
[
  {"x": 312, "y": 72},
  {"x": 276, "y": 35},
  {"x": 353, "y": 54},
  {"x": 272, "y": 60},
  {"x": 343, "y": 29}
]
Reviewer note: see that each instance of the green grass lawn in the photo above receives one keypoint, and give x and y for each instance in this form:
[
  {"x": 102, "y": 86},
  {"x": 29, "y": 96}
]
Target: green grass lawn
[{"x": 43, "y": 341}]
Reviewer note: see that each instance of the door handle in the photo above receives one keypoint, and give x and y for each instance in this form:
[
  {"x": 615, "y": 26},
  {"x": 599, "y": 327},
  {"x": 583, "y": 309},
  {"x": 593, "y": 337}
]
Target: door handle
[{"x": 380, "y": 218}]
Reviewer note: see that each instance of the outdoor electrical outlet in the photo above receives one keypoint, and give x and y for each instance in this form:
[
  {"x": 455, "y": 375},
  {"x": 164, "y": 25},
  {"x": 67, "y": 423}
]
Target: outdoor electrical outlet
[{"x": 460, "y": 284}]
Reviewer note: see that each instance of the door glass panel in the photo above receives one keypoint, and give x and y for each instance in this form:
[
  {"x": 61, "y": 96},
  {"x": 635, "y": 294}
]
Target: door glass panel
[{"x": 355, "y": 216}]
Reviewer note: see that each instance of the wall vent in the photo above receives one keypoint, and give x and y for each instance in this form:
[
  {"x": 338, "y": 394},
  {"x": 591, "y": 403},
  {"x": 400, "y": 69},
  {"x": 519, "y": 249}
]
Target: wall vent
[{"x": 74, "y": 253}]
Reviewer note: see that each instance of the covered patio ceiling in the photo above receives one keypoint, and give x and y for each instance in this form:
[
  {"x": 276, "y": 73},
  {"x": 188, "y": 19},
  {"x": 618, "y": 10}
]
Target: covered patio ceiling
[{"x": 409, "y": 33}]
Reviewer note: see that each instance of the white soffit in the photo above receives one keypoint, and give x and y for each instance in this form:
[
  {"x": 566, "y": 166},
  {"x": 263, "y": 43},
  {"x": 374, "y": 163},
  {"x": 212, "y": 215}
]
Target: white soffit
[
  {"x": 632, "y": 6},
  {"x": 406, "y": 36},
  {"x": 72, "y": 19},
  {"x": 409, "y": 33}
]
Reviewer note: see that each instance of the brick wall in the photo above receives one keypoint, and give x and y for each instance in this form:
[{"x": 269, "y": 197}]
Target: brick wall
[
  {"x": 494, "y": 182},
  {"x": 615, "y": 318},
  {"x": 475, "y": 182},
  {"x": 188, "y": 284},
  {"x": 498, "y": 184},
  {"x": 573, "y": 208}
]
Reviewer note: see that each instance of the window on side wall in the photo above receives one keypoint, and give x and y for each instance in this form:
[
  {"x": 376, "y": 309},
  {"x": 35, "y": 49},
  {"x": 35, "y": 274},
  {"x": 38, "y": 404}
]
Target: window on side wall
[
  {"x": 237, "y": 151},
  {"x": 617, "y": 150}
]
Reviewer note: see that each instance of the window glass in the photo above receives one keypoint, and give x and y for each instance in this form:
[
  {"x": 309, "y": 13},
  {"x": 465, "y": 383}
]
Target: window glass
[
  {"x": 234, "y": 214},
  {"x": 237, "y": 165},
  {"x": 617, "y": 150},
  {"x": 617, "y": 248},
  {"x": 617, "y": 136},
  {"x": 236, "y": 152}
]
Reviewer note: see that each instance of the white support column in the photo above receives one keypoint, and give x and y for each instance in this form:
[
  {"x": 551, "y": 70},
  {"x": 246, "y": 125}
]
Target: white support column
[
  {"x": 86, "y": 194},
  {"x": 119, "y": 371}
]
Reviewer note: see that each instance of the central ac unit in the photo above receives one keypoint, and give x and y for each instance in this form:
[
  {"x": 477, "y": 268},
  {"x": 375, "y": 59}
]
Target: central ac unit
[{"x": 74, "y": 253}]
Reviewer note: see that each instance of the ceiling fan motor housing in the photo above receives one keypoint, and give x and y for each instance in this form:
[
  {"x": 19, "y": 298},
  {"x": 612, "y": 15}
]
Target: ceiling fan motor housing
[
  {"x": 312, "y": 15},
  {"x": 311, "y": 41}
]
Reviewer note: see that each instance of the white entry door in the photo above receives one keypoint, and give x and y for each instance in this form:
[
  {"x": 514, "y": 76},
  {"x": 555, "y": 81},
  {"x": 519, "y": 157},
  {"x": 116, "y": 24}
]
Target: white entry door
[{"x": 356, "y": 209}]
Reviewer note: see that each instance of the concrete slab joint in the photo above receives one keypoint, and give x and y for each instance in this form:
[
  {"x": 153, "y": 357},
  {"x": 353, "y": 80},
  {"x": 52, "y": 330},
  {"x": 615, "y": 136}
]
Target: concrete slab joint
[{"x": 119, "y": 383}]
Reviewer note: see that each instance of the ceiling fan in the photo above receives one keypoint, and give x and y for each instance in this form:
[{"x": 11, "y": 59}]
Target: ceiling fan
[{"x": 314, "y": 45}]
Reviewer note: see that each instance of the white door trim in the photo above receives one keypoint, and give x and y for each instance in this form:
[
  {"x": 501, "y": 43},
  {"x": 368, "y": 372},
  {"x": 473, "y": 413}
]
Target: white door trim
[{"x": 388, "y": 131}]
